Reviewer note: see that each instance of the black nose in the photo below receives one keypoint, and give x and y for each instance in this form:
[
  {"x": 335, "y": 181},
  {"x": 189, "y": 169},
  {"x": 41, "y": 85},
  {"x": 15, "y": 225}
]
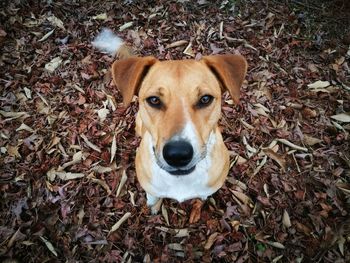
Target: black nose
[{"x": 178, "y": 153}]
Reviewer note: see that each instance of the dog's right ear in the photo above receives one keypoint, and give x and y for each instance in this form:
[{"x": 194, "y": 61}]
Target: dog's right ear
[{"x": 128, "y": 75}]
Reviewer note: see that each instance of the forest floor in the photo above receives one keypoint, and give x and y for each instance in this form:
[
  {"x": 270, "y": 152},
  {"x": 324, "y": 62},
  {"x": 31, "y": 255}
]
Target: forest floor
[{"x": 67, "y": 146}]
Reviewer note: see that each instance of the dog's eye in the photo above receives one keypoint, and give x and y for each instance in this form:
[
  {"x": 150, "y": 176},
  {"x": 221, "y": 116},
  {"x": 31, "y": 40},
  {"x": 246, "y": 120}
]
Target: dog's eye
[
  {"x": 154, "y": 101},
  {"x": 205, "y": 101}
]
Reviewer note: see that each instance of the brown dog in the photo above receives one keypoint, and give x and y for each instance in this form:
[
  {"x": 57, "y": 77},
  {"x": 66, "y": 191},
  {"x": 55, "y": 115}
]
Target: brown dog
[{"x": 182, "y": 154}]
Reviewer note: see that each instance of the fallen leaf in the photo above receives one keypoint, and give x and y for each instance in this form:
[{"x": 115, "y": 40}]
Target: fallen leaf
[
  {"x": 276, "y": 157},
  {"x": 102, "y": 16},
  {"x": 165, "y": 214},
  {"x": 101, "y": 183},
  {"x": 319, "y": 84},
  {"x": 126, "y": 25},
  {"x": 101, "y": 169},
  {"x": 342, "y": 117},
  {"x": 261, "y": 164},
  {"x": 177, "y": 44},
  {"x": 90, "y": 144},
  {"x": 121, "y": 183},
  {"x": 196, "y": 211},
  {"x": 14, "y": 115},
  {"x": 113, "y": 148},
  {"x": 345, "y": 187},
  {"x": 286, "y": 219},
  {"x": 120, "y": 222},
  {"x": 65, "y": 176},
  {"x": 77, "y": 158},
  {"x": 292, "y": 145},
  {"x": 176, "y": 232},
  {"x": 13, "y": 151},
  {"x": 25, "y": 128},
  {"x": 242, "y": 197},
  {"x": 175, "y": 246},
  {"x": 276, "y": 245},
  {"x": 189, "y": 51},
  {"x": 102, "y": 113},
  {"x": 211, "y": 240},
  {"x": 309, "y": 140},
  {"x": 46, "y": 36},
  {"x": 49, "y": 246},
  {"x": 53, "y": 64},
  {"x": 56, "y": 22}
]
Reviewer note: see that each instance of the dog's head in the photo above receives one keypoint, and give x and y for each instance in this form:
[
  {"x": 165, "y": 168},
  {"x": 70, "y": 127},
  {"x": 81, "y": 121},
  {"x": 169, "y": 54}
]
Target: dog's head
[{"x": 180, "y": 103}]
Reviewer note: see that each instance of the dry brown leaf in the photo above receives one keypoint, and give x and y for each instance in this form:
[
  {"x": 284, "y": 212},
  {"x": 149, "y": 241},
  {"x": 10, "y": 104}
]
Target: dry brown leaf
[
  {"x": 242, "y": 197},
  {"x": 56, "y": 21},
  {"x": 121, "y": 183},
  {"x": 303, "y": 228},
  {"x": 309, "y": 140},
  {"x": 286, "y": 219},
  {"x": 120, "y": 222},
  {"x": 165, "y": 215},
  {"x": 345, "y": 187},
  {"x": 80, "y": 215},
  {"x": 176, "y": 232},
  {"x": 211, "y": 240},
  {"x": 13, "y": 151},
  {"x": 276, "y": 157},
  {"x": 196, "y": 211},
  {"x": 177, "y": 44},
  {"x": 101, "y": 183}
]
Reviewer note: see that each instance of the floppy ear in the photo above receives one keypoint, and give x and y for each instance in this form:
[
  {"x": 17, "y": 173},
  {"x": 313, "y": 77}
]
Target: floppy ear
[
  {"x": 230, "y": 70},
  {"x": 128, "y": 75}
]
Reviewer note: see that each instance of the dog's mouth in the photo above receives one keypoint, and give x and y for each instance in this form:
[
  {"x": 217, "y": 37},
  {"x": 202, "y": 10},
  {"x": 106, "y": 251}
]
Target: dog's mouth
[
  {"x": 177, "y": 171},
  {"x": 180, "y": 172}
]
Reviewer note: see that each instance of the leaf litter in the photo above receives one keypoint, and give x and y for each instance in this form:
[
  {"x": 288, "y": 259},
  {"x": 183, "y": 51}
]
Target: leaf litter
[{"x": 68, "y": 146}]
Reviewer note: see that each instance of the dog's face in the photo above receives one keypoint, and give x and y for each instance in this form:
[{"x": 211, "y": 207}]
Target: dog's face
[{"x": 180, "y": 103}]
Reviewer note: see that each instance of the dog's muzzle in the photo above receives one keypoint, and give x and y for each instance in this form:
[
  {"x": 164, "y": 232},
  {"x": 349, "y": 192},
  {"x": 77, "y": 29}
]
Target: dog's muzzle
[{"x": 178, "y": 154}]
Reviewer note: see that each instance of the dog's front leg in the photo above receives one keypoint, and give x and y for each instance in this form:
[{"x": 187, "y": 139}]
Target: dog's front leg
[
  {"x": 154, "y": 203},
  {"x": 151, "y": 200}
]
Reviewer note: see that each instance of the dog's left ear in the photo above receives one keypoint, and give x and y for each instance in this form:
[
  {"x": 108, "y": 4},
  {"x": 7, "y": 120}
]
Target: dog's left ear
[
  {"x": 128, "y": 75},
  {"x": 230, "y": 70}
]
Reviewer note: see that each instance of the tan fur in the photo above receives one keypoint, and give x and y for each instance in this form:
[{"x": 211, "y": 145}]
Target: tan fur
[{"x": 179, "y": 85}]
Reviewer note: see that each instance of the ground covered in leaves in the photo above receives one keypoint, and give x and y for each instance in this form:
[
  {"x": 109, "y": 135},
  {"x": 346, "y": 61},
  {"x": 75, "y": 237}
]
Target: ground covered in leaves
[{"x": 67, "y": 179}]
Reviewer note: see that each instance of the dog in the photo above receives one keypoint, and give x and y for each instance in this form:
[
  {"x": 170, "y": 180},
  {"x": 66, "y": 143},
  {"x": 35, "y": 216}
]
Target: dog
[{"x": 182, "y": 154}]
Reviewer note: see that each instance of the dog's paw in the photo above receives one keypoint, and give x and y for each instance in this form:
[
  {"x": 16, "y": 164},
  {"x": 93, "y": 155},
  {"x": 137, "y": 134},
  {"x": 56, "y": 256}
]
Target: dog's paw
[
  {"x": 151, "y": 200},
  {"x": 156, "y": 207},
  {"x": 154, "y": 203}
]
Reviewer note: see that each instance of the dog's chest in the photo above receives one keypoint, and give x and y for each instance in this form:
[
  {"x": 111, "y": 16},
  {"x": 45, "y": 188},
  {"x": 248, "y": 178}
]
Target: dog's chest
[{"x": 183, "y": 187}]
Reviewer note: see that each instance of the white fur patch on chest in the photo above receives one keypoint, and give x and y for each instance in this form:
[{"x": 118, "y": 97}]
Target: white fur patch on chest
[{"x": 181, "y": 188}]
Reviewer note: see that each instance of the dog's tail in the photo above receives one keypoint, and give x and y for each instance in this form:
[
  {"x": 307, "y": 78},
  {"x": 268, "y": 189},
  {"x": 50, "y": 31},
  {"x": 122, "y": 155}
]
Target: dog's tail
[{"x": 108, "y": 42}]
